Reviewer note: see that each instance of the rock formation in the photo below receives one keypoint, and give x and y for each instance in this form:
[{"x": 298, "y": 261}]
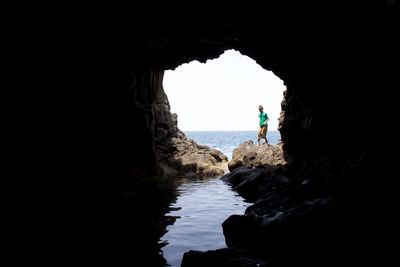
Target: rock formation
[
  {"x": 251, "y": 156},
  {"x": 340, "y": 63},
  {"x": 192, "y": 160},
  {"x": 176, "y": 154}
]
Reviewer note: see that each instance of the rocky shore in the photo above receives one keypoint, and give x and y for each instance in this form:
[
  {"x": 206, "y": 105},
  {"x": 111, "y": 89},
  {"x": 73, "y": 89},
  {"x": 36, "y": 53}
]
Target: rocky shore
[
  {"x": 190, "y": 159},
  {"x": 296, "y": 209},
  {"x": 178, "y": 156},
  {"x": 252, "y": 156}
]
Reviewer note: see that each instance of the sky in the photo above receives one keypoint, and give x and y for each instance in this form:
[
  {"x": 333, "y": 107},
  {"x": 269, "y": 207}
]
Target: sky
[{"x": 223, "y": 94}]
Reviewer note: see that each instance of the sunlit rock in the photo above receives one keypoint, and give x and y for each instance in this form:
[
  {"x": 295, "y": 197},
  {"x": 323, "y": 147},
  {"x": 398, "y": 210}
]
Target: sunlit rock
[{"x": 254, "y": 156}]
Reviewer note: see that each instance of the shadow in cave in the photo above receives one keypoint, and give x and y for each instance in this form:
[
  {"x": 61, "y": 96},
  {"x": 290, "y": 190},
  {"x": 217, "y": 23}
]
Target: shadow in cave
[
  {"x": 337, "y": 81},
  {"x": 143, "y": 205}
]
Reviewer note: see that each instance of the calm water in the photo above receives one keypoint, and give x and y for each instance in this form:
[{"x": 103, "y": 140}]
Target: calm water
[
  {"x": 203, "y": 205},
  {"x": 200, "y": 210}
]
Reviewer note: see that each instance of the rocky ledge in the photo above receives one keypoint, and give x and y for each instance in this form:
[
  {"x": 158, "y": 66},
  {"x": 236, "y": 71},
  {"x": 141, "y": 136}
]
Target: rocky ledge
[
  {"x": 190, "y": 159},
  {"x": 299, "y": 216},
  {"x": 176, "y": 155},
  {"x": 252, "y": 156}
]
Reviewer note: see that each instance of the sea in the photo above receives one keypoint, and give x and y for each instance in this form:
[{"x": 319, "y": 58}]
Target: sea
[
  {"x": 203, "y": 205},
  {"x": 226, "y": 141}
]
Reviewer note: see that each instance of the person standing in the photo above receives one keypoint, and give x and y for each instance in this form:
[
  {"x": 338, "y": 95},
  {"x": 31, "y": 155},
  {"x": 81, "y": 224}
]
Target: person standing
[{"x": 262, "y": 130}]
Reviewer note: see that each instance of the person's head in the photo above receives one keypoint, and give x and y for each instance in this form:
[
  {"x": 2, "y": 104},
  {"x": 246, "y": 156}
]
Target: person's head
[{"x": 260, "y": 108}]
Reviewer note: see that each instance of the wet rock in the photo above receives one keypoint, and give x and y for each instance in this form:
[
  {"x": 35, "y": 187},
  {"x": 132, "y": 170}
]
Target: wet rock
[{"x": 222, "y": 257}]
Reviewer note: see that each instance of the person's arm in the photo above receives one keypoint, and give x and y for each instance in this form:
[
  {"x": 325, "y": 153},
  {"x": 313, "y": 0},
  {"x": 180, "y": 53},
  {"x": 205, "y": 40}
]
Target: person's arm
[{"x": 266, "y": 119}]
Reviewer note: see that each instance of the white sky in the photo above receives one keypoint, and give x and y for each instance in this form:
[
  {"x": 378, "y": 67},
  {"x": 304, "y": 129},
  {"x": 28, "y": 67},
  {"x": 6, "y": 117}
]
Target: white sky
[{"x": 223, "y": 94}]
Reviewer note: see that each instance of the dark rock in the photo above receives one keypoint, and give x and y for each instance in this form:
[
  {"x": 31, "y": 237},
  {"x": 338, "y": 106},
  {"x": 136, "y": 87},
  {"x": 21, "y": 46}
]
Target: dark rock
[
  {"x": 223, "y": 257},
  {"x": 338, "y": 125}
]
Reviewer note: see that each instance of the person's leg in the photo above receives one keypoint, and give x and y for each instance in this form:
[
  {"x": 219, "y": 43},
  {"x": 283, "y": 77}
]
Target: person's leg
[
  {"x": 263, "y": 133},
  {"x": 259, "y": 135}
]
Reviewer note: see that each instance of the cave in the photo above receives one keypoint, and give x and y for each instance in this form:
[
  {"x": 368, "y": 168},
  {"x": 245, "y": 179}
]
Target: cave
[{"x": 340, "y": 68}]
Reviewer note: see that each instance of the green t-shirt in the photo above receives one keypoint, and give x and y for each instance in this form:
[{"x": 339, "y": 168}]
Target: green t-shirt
[{"x": 263, "y": 117}]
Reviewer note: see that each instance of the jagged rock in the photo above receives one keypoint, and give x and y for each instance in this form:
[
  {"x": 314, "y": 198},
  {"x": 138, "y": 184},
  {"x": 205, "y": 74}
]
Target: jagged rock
[
  {"x": 253, "y": 156},
  {"x": 176, "y": 155},
  {"x": 255, "y": 182},
  {"x": 337, "y": 94},
  {"x": 222, "y": 257},
  {"x": 191, "y": 159}
]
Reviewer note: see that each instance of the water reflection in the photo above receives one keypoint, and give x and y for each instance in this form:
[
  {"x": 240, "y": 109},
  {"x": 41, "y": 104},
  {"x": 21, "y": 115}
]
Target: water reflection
[
  {"x": 198, "y": 212},
  {"x": 159, "y": 218},
  {"x": 141, "y": 219}
]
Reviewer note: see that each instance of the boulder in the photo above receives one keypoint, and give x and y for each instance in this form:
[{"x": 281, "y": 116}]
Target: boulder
[
  {"x": 254, "y": 156},
  {"x": 192, "y": 160}
]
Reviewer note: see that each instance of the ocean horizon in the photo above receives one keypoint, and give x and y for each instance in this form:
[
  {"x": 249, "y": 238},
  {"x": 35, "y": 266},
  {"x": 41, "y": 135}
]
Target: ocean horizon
[{"x": 227, "y": 141}]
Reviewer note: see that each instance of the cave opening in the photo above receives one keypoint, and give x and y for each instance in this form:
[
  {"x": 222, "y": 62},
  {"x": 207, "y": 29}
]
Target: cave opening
[
  {"x": 222, "y": 95},
  {"x": 217, "y": 105},
  {"x": 336, "y": 204}
]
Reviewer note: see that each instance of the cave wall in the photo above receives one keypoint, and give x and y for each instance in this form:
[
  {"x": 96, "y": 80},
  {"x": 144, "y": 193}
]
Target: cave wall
[
  {"x": 148, "y": 122},
  {"x": 340, "y": 66},
  {"x": 331, "y": 67}
]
